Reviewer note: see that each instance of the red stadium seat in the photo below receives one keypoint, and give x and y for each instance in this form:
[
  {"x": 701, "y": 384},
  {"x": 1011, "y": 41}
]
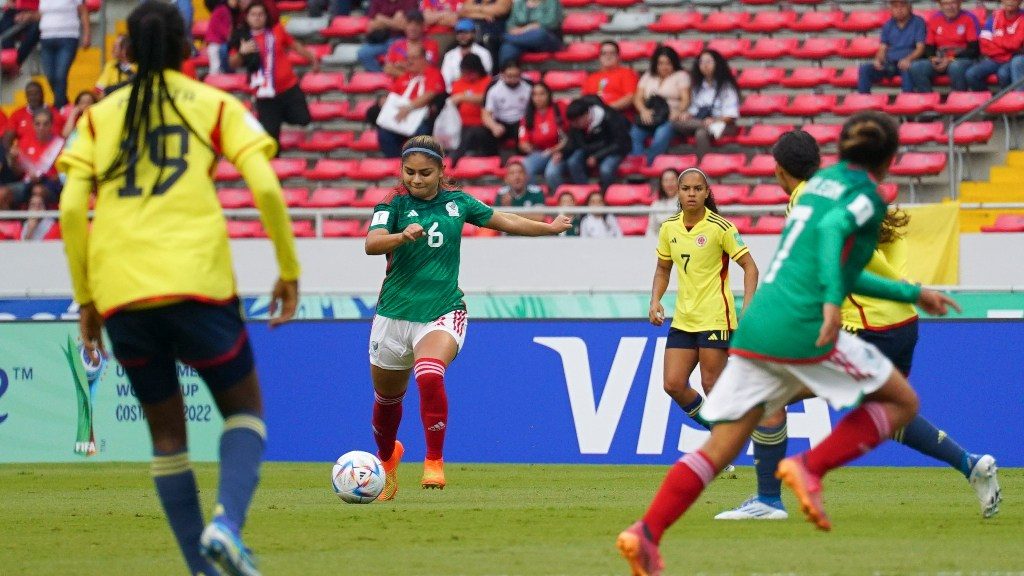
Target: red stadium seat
[
  {"x": 760, "y": 166},
  {"x": 226, "y": 172},
  {"x": 716, "y": 165},
  {"x": 823, "y": 133},
  {"x": 565, "y": 79},
  {"x": 729, "y": 48},
  {"x": 769, "y": 21},
  {"x": 970, "y": 133},
  {"x": 685, "y": 47},
  {"x": 290, "y": 139},
  {"x": 919, "y": 164},
  {"x": 812, "y": 21},
  {"x": 229, "y": 82},
  {"x": 533, "y": 75},
  {"x": 770, "y": 48},
  {"x": 723, "y": 22},
  {"x": 807, "y": 77},
  {"x": 473, "y": 167},
  {"x": 617, "y": 3},
  {"x": 888, "y": 191},
  {"x": 318, "y": 50},
  {"x": 628, "y": 194},
  {"x": 536, "y": 57},
  {"x": 742, "y": 223},
  {"x": 346, "y": 27},
  {"x": 768, "y": 224},
  {"x": 468, "y": 230},
  {"x": 331, "y": 198},
  {"x": 244, "y": 228},
  {"x": 579, "y": 52},
  {"x": 485, "y": 194},
  {"x": 372, "y": 196},
  {"x": 854, "y": 102},
  {"x": 331, "y": 169},
  {"x": 846, "y": 78},
  {"x": 295, "y": 197},
  {"x": 757, "y": 78},
  {"x": 303, "y": 229},
  {"x": 633, "y": 225},
  {"x": 325, "y": 141},
  {"x": 764, "y": 195},
  {"x": 1009, "y": 104},
  {"x": 763, "y": 104},
  {"x": 912, "y": 133},
  {"x": 376, "y": 169},
  {"x": 342, "y": 228},
  {"x": 580, "y": 192},
  {"x": 863, "y": 20},
  {"x": 958, "y": 103},
  {"x": 357, "y": 111},
  {"x": 288, "y": 167},
  {"x": 580, "y": 23},
  {"x": 912, "y": 104},
  {"x": 327, "y": 111},
  {"x": 675, "y": 22},
  {"x": 818, "y": 48},
  {"x": 363, "y": 82},
  {"x": 1003, "y": 223},
  {"x": 632, "y": 166},
  {"x": 828, "y": 160},
  {"x": 631, "y": 50},
  {"x": 366, "y": 142},
  {"x": 860, "y": 47},
  {"x": 291, "y": 5},
  {"x": 322, "y": 82},
  {"x": 726, "y": 194},
  {"x": 199, "y": 28},
  {"x": 811, "y": 104},
  {"x": 234, "y": 198},
  {"x": 763, "y": 135},
  {"x": 662, "y": 162},
  {"x": 576, "y": 3},
  {"x": 10, "y": 230}
]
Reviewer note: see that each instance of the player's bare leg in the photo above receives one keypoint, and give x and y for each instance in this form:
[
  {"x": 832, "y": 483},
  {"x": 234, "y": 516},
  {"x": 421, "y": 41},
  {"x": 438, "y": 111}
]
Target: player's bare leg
[
  {"x": 434, "y": 353},
  {"x": 679, "y": 364},
  {"x": 389, "y": 388}
]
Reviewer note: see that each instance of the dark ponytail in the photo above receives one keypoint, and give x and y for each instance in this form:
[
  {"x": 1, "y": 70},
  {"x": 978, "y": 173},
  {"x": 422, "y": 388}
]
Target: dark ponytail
[{"x": 869, "y": 139}]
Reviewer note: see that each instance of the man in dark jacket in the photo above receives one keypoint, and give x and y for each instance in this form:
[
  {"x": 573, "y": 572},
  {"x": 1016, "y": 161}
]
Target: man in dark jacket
[{"x": 598, "y": 138}]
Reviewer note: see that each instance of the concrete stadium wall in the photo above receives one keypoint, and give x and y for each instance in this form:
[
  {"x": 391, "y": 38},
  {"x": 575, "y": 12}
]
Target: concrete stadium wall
[{"x": 488, "y": 265}]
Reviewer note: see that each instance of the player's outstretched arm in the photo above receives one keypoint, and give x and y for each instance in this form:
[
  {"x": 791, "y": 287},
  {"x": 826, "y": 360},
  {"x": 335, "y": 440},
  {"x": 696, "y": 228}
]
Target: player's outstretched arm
[
  {"x": 379, "y": 241},
  {"x": 936, "y": 303},
  {"x": 515, "y": 224}
]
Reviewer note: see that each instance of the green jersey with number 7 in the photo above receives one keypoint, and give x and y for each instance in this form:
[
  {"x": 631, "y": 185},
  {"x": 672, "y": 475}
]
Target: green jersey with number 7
[
  {"x": 829, "y": 237},
  {"x": 422, "y": 279}
]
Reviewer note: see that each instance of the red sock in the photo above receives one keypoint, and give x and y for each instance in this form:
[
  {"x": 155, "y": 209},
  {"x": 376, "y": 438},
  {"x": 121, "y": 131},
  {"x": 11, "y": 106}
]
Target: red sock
[
  {"x": 387, "y": 415},
  {"x": 681, "y": 487},
  {"x": 433, "y": 404},
  {"x": 855, "y": 435}
]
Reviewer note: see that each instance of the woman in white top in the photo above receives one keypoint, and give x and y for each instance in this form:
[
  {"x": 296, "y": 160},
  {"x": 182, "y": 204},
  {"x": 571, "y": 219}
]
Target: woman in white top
[
  {"x": 63, "y": 28},
  {"x": 664, "y": 83},
  {"x": 666, "y": 204},
  {"x": 599, "y": 225},
  {"x": 714, "y": 104}
]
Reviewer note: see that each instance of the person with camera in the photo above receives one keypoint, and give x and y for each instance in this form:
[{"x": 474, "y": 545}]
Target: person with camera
[
  {"x": 661, "y": 97},
  {"x": 714, "y": 102}
]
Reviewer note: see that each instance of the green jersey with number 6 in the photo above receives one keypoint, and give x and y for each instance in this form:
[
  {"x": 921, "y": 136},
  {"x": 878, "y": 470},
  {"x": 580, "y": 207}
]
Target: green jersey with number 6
[
  {"x": 829, "y": 237},
  {"x": 422, "y": 280}
]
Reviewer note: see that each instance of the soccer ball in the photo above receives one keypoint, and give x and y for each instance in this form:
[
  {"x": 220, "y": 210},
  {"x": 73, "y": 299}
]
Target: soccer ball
[{"x": 358, "y": 477}]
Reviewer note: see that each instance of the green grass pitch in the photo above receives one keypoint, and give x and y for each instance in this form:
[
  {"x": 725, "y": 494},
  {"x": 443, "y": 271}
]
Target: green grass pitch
[{"x": 510, "y": 520}]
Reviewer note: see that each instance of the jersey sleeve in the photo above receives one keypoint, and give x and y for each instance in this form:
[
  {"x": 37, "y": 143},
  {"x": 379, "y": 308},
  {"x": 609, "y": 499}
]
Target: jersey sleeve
[
  {"x": 873, "y": 285},
  {"x": 238, "y": 133},
  {"x": 80, "y": 150},
  {"x": 732, "y": 244},
  {"x": 384, "y": 217},
  {"x": 477, "y": 213},
  {"x": 664, "y": 251},
  {"x": 833, "y": 229}
]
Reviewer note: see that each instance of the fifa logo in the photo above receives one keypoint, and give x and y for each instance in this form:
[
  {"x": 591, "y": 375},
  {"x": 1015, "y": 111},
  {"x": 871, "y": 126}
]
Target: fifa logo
[{"x": 86, "y": 375}]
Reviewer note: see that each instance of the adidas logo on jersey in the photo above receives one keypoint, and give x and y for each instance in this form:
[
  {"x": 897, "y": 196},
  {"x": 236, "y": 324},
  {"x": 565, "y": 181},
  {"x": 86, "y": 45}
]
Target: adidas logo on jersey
[
  {"x": 674, "y": 240},
  {"x": 712, "y": 337},
  {"x": 412, "y": 213}
]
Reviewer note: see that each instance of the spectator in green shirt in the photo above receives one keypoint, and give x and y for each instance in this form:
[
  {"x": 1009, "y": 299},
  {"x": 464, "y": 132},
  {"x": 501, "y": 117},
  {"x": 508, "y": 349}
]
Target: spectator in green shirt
[
  {"x": 533, "y": 26},
  {"x": 516, "y": 191}
]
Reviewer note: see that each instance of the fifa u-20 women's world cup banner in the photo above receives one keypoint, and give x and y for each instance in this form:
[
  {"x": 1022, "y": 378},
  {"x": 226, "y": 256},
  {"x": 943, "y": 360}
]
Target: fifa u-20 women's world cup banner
[{"x": 56, "y": 405}]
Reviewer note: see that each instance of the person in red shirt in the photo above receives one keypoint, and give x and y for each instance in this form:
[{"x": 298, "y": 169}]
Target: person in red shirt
[
  {"x": 20, "y": 12},
  {"x": 613, "y": 83},
  {"x": 422, "y": 84},
  {"x": 263, "y": 51},
  {"x": 34, "y": 158},
  {"x": 542, "y": 135},
  {"x": 468, "y": 94},
  {"x": 441, "y": 12},
  {"x": 19, "y": 125},
  {"x": 394, "y": 59},
  {"x": 1001, "y": 39},
  {"x": 950, "y": 47}
]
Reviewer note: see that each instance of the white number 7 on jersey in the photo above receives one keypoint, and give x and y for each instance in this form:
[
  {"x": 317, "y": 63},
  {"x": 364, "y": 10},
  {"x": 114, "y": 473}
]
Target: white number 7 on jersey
[{"x": 795, "y": 225}]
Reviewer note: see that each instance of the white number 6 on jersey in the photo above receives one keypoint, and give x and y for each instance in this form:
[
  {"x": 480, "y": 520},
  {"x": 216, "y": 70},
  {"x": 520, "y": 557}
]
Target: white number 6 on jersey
[{"x": 434, "y": 238}]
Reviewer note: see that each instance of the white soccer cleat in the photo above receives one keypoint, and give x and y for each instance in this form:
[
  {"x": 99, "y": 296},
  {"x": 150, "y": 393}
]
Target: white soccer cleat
[
  {"x": 225, "y": 550},
  {"x": 754, "y": 509},
  {"x": 986, "y": 485}
]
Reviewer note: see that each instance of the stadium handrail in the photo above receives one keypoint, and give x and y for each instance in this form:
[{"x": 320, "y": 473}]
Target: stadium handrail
[{"x": 954, "y": 176}]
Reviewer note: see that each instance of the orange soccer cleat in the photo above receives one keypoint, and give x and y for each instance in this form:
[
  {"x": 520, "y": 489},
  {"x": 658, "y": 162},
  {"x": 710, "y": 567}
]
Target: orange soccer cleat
[
  {"x": 391, "y": 472},
  {"x": 433, "y": 474},
  {"x": 640, "y": 551},
  {"x": 807, "y": 488}
]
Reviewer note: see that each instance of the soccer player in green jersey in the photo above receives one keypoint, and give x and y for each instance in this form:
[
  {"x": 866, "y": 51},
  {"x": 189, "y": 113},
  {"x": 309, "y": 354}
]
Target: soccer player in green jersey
[
  {"x": 789, "y": 343},
  {"x": 420, "y": 324}
]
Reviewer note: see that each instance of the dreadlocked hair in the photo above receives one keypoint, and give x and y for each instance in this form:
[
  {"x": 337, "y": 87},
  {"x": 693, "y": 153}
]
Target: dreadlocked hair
[
  {"x": 893, "y": 226},
  {"x": 156, "y": 42}
]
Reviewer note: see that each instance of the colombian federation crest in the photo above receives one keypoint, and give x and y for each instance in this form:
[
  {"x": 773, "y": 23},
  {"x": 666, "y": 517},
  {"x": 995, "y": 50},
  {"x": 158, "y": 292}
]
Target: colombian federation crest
[{"x": 701, "y": 240}]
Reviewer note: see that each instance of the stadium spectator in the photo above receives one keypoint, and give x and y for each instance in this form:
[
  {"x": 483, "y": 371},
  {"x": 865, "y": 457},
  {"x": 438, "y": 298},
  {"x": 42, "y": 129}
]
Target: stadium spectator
[
  {"x": 72, "y": 112},
  {"x": 8, "y": 181},
  {"x": 316, "y": 8},
  {"x": 598, "y": 138},
  {"x": 1002, "y": 40},
  {"x": 903, "y": 38},
  {"x": 613, "y": 82},
  {"x": 505, "y": 104},
  {"x": 39, "y": 227},
  {"x": 387, "y": 23},
  {"x": 594, "y": 225},
  {"x": 63, "y": 28},
  {"x": 273, "y": 12},
  {"x": 428, "y": 85},
  {"x": 542, "y": 135},
  {"x": 490, "y": 17},
  {"x": 468, "y": 94},
  {"x": 950, "y": 47},
  {"x": 714, "y": 102},
  {"x": 518, "y": 192},
  {"x": 465, "y": 43},
  {"x": 262, "y": 50},
  {"x": 566, "y": 199},
  {"x": 218, "y": 33},
  {"x": 33, "y": 158},
  {"x": 21, "y": 13},
  {"x": 666, "y": 203},
  {"x": 397, "y": 54},
  {"x": 441, "y": 12},
  {"x": 20, "y": 124},
  {"x": 661, "y": 98},
  {"x": 118, "y": 70},
  {"x": 535, "y": 26}
]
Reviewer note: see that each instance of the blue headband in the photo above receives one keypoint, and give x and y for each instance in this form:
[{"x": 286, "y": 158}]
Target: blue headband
[{"x": 426, "y": 151}]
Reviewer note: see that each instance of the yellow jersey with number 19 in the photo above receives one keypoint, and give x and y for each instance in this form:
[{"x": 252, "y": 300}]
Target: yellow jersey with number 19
[
  {"x": 701, "y": 257},
  {"x": 159, "y": 233}
]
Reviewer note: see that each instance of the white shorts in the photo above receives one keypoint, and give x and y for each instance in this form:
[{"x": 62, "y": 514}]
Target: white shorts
[
  {"x": 392, "y": 341},
  {"x": 853, "y": 370}
]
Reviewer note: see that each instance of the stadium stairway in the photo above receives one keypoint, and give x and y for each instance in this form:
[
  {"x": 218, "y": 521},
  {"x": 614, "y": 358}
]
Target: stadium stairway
[{"x": 1005, "y": 184}]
